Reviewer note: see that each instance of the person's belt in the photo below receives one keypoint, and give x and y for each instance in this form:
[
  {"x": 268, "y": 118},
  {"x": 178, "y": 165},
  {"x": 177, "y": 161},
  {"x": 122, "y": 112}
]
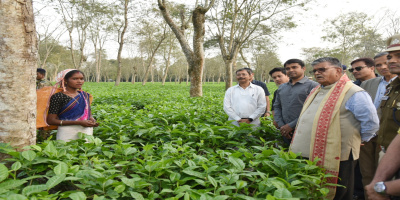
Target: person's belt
[{"x": 383, "y": 149}]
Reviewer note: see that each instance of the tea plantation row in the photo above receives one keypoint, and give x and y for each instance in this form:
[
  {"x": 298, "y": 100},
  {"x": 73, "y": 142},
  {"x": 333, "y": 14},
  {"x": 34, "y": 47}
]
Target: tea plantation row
[{"x": 156, "y": 143}]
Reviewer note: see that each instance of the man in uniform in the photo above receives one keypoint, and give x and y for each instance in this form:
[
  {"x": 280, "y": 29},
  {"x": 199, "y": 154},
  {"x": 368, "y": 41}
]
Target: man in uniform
[
  {"x": 389, "y": 124},
  {"x": 390, "y": 102},
  {"x": 383, "y": 187},
  {"x": 376, "y": 87},
  {"x": 41, "y": 79}
]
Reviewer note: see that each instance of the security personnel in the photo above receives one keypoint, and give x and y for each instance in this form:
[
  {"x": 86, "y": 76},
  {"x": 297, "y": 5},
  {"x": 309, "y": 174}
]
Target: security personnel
[
  {"x": 390, "y": 105},
  {"x": 40, "y": 79}
]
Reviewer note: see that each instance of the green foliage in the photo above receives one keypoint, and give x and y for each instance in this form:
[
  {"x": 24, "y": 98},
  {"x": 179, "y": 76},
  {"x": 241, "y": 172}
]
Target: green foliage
[
  {"x": 355, "y": 35},
  {"x": 156, "y": 143}
]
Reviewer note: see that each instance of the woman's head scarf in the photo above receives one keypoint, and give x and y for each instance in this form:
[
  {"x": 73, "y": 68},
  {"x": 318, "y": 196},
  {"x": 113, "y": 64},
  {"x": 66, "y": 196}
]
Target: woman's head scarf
[
  {"x": 59, "y": 84},
  {"x": 60, "y": 79}
]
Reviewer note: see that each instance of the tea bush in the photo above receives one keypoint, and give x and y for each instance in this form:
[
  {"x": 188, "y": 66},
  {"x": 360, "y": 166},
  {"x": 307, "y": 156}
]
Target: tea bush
[{"x": 156, "y": 143}]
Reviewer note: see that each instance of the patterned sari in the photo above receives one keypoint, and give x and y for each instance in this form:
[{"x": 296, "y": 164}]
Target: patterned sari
[{"x": 76, "y": 109}]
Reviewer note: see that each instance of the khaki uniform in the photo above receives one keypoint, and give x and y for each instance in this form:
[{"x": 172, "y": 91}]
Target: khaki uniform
[
  {"x": 390, "y": 104},
  {"x": 42, "y": 83}
]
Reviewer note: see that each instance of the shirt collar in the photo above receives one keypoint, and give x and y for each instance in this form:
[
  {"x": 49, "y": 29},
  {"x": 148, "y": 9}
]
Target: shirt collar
[
  {"x": 250, "y": 86},
  {"x": 303, "y": 80},
  {"x": 395, "y": 82},
  {"x": 383, "y": 79}
]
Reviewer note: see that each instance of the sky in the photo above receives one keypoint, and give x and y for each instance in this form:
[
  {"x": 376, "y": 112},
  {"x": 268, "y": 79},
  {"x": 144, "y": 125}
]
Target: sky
[
  {"x": 310, "y": 23},
  {"x": 309, "y": 28}
]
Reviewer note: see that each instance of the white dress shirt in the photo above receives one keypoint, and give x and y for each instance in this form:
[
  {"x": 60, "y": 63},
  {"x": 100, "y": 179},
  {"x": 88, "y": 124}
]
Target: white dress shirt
[{"x": 245, "y": 103}]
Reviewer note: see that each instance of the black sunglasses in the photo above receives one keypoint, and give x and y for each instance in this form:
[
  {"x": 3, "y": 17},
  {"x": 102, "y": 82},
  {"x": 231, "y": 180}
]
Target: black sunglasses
[{"x": 359, "y": 68}]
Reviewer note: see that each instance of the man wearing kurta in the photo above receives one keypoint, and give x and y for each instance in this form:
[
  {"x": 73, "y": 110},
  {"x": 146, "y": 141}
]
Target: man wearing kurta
[{"x": 336, "y": 117}]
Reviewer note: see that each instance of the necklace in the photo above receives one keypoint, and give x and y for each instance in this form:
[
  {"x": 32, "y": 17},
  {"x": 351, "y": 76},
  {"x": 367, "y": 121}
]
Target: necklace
[{"x": 70, "y": 94}]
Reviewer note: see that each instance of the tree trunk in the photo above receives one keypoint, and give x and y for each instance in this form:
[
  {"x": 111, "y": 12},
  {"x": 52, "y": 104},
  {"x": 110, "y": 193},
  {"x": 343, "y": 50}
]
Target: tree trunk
[
  {"x": 165, "y": 72},
  {"x": 151, "y": 73},
  {"x": 82, "y": 42},
  {"x": 188, "y": 76},
  {"x": 121, "y": 42},
  {"x": 195, "y": 57},
  {"x": 134, "y": 74},
  {"x": 96, "y": 55},
  {"x": 153, "y": 54},
  {"x": 133, "y": 78},
  {"x": 228, "y": 73},
  {"x": 98, "y": 65},
  {"x": 167, "y": 63},
  {"x": 18, "y": 63}
]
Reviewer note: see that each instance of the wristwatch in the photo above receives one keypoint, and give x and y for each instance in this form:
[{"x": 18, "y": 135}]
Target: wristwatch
[{"x": 380, "y": 187}]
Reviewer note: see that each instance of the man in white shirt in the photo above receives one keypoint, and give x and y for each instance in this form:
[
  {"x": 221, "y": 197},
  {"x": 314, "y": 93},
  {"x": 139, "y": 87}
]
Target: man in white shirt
[{"x": 245, "y": 102}]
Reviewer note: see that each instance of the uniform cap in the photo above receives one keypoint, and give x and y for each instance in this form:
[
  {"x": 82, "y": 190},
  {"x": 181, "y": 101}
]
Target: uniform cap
[{"x": 393, "y": 43}]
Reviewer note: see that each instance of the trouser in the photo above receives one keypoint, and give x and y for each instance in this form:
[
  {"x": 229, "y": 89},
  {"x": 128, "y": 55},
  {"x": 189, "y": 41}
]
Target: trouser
[
  {"x": 368, "y": 161},
  {"x": 346, "y": 178},
  {"x": 358, "y": 185}
]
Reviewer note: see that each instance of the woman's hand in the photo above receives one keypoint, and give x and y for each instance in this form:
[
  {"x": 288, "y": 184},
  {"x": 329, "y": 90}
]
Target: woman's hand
[
  {"x": 93, "y": 120},
  {"x": 88, "y": 123}
]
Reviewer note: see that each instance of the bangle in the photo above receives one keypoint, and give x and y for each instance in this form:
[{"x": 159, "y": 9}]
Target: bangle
[{"x": 61, "y": 123}]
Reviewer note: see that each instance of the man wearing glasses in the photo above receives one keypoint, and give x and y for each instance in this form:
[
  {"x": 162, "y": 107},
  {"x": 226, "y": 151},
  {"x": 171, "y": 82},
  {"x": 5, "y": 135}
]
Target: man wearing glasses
[
  {"x": 336, "y": 117},
  {"x": 362, "y": 69},
  {"x": 381, "y": 187}
]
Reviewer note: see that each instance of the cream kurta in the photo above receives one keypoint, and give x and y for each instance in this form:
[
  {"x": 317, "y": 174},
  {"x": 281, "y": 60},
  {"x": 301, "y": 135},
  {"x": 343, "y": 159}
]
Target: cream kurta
[{"x": 349, "y": 126}]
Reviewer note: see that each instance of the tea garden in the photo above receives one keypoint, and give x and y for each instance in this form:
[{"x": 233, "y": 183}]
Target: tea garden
[{"x": 154, "y": 142}]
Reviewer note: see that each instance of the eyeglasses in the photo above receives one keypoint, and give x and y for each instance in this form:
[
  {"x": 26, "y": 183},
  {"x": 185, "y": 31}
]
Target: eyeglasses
[
  {"x": 359, "y": 68},
  {"x": 320, "y": 70}
]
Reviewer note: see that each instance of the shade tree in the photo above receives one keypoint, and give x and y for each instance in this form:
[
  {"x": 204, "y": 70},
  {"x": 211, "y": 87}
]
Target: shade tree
[
  {"x": 236, "y": 22},
  {"x": 194, "y": 55}
]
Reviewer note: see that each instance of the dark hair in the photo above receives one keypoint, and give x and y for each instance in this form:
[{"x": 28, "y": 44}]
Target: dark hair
[
  {"x": 331, "y": 60},
  {"x": 277, "y": 69},
  {"x": 368, "y": 61},
  {"x": 290, "y": 61},
  {"x": 41, "y": 71},
  {"x": 69, "y": 74},
  {"x": 381, "y": 54},
  {"x": 247, "y": 69}
]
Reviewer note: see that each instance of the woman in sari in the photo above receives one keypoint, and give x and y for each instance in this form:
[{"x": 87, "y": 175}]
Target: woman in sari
[{"x": 70, "y": 108}]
